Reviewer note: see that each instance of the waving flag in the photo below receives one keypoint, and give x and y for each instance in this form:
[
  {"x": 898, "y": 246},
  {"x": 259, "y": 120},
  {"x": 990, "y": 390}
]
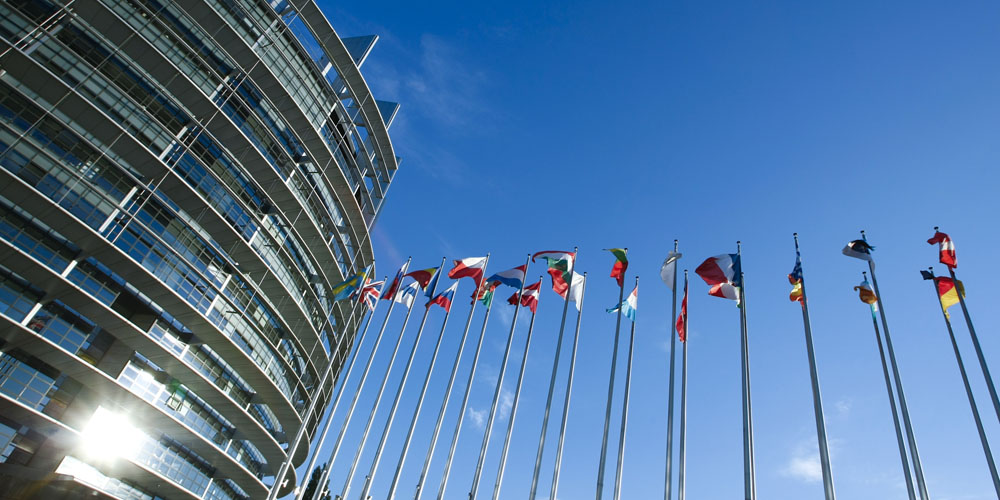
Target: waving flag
[
  {"x": 347, "y": 287},
  {"x": 946, "y": 252},
  {"x": 559, "y": 268},
  {"x": 369, "y": 293},
  {"x": 408, "y": 293},
  {"x": 722, "y": 273},
  {"x": 867, "y": 295},
  {"x": 621, "y": 264},
  {"x": 669, "y": 268},
  {"x": 444, "y": 298},
  {"x": 471, "y": 267},
  {"x": 947, "y": 289},
  {"x": 484, "y": 293},
  {"x": 391, "y": 291},
  {"x": 511, "y": 277},
  {"x": 683, "y": 318},
  {"x": 629, "y": 305},
  {"x": 795, "y": 278},
  {"x": 576, "y": 292},
  {"x": 423, "y": 276},
  {"x": 859, "y": 249},
  {"x": 529, "y": 298}
]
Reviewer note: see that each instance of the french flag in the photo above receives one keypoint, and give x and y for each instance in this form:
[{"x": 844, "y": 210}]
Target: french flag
[
  {"x": 471, "y": 267},
  {"x": 722, "y": 273},
  {"x": 444, "y": 298},
  {"x": 511, "y": 277},
  {"x": 529, "y": 298}
]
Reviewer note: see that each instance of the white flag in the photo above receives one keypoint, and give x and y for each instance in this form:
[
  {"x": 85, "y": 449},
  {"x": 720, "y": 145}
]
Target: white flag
[
  {"x": 576, "y": 289},
  {"x": 669, "y": 269},
  {"x": 407, "y": 294}
]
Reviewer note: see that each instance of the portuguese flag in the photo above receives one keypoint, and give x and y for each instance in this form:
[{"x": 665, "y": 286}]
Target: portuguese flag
[{"x": 559, "y": 268}]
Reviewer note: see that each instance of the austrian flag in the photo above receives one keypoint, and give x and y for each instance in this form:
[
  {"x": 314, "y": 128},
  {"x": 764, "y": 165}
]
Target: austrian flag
[
  {"x": 946, "y": 252},
  {"x": 529, "y": 298}
]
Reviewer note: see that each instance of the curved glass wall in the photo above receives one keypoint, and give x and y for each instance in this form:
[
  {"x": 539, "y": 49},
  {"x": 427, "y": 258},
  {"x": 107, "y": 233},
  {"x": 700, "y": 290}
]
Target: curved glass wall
[{"x": 174, "y": 214}]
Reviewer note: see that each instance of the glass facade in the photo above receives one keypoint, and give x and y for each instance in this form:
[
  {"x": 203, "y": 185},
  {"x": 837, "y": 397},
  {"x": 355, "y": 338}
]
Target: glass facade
[{"x": 174, "y": 214}]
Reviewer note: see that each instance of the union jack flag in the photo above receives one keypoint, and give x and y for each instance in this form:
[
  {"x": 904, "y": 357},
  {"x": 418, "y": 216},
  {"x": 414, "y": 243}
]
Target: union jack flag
[{"x": 370, "y": 292}]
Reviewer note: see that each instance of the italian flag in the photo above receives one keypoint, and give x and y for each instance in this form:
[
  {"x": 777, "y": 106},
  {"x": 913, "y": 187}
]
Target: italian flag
[{"x": 560, "y": 264}]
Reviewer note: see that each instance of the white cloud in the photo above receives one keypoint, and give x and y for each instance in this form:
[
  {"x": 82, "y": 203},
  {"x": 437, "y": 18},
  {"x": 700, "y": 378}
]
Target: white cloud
[
  {"x": 804, "y": 464},
  {"x": 805, "y": 468},
  {"x": 843, "y": 407},
  {"x": 478, "y": 417},
  {"x": 506, "y": 402}
]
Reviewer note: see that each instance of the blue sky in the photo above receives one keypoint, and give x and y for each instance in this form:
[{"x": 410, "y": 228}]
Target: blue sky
[{"x": 528, "y": 126}]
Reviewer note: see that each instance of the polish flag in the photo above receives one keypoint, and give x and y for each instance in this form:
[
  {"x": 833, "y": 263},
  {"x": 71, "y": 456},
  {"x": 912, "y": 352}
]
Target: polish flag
[{"x": 472, "y": 267}]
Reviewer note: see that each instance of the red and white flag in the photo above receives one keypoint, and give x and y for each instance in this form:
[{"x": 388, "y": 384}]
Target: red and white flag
[
  {"x": 683, "y": 318},
  {"x": 946, "y": 249},
  {"x": 471, "y": 267},
  {"x": 722, "y": 273},
  {"x": 369, "y": 293},
  {"x": 529, "y": 298}
]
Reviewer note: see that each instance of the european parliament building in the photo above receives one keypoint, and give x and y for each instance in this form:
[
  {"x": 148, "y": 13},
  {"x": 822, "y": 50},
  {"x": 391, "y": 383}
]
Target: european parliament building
[{"x": 182, "y": 183}]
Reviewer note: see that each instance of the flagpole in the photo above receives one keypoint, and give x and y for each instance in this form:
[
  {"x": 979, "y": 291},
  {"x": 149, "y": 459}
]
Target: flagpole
[
  {"x": 628, "y": 383},
  {"x": 462, "y": 407},
  {"x": 451, "y": 385},
  {"x": 892, "y": 403},
  {"x": 402, "y": 384},
  {"x": 749, "y": 488},
  {"x": 416, "y": 412},
  {"x": 611, "y": 392},
  {"x": 824, "y": 449},
  {"x": 517, "y": 397},
  {"x": 325, "y": 476},
  {"x": 668, "y": 481},
  {"x": 279, "y": 478},
  {"x": 552, "y": 380},
  {"x": 682, "y": 459},
  {"x": 496, "y": 392},
  {"x": 918, "y": 469},
  {"x": 375, "y": 405},
  {"x": 569, "y": 390},
  {"x": 975, "y": 343},
  {"x": 350, "y": 369},
  {"x": 968, "y": 388}
]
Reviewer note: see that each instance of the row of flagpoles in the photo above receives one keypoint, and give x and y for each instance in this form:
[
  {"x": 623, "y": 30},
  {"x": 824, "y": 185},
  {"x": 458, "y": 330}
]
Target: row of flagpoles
[{"x": 723, "y": 273}]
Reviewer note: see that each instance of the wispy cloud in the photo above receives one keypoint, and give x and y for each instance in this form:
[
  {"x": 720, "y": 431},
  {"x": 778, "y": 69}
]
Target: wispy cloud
[
  {"x": 803, "y": 464},
  {"x": 478, "y": 417},
  {"x": 506, "y": 402},
  {"x": 843, "y": 407}
]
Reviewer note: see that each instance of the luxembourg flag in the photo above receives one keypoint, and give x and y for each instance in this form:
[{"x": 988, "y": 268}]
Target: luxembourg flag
[
  {"x": 629, "y": 305},
  {"x": 471, "y": 267},
  {"x": 511, "y": 277},
  {"x": 722, "y": 273},
  {"x": 443, "y": 299},
  {"x": 529, "y": 298}
]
